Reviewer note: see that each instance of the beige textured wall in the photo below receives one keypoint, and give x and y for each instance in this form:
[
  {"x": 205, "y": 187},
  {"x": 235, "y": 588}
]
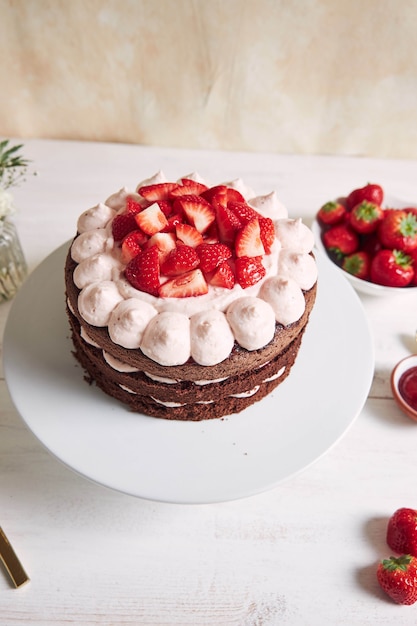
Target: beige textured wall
[{"x": 299, "y": 76}]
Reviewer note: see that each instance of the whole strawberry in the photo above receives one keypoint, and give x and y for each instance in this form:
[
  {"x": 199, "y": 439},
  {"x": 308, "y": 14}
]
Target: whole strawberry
[
  {"x": 397, "y": 576},
  {"x": 331, "y": 213},
  {"x": 370, "y": 192},
  {"x": 365, "y": 217},
  {"x": 402, "y": 531},
  {"x": 357, "y": 264},
  {"x": 392, "y": 268},
  {"x": 340, "y": 240},
  {"x": 398, "y": 230}
]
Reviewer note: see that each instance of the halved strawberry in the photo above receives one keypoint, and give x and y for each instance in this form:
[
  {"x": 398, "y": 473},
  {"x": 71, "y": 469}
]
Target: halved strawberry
[
  {"x": 151, "y": 220},
  {"x": 132, "y": 245},
  {"x": 165, "y": 242},
  {"x": 249, "y": 271},
  {"x": 199, "y": 212},
  {"x": 267, "y": 229},
  {"x": 212, "y": 254},
  {"x": 225, "y": 194},
  {"x": 243, "y": 211},
  {"x": 189, "y": 235},
  {"x": 228, "y": 224},
  {"x": 223, "y": 276},
  {"x": 180, "y": 260},
  {"x": 122, "y": 225},
  {"x": 132, "y": 206},
  {"x": 159, "y": 191},
  {"x": 188, "y": 187},
  {"x": 142, "y": 271},
  {"x": 190, "y": 284},
  {"x": 218, "y": 190},
  {"x": 248, "y": 240}
]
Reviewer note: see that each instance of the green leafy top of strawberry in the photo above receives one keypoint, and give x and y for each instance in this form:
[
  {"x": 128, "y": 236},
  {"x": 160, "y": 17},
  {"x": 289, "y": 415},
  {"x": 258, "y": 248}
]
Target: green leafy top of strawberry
[{"x": 408, "y": 225}]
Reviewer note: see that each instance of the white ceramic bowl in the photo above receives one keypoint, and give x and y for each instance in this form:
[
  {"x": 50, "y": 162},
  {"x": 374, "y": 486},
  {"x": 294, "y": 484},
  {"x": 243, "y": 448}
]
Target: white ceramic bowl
[
  {"x": 397, "y": 372},
  {"x": 362, "y": 286}
]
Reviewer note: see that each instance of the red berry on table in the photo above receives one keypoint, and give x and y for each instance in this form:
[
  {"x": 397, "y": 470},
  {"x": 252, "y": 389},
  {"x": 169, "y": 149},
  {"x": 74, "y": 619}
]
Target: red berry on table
[
  {"x": 365, "y": 217},
  {"x": 358, "y": 264},
  {"x": 340, "y": 240},
  {"x": 370, "y": 193},
  {"x": 331, "y": 213},
  {"x": 392, "y": 268},
  {"x": 402, "y": 531},
  {"x": 398, "y": 230},
  {"x": 398, "y": 578}
]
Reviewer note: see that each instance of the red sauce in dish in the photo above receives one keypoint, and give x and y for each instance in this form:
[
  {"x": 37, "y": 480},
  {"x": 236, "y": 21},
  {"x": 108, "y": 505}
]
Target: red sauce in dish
[{"x": 407, "y": 386}]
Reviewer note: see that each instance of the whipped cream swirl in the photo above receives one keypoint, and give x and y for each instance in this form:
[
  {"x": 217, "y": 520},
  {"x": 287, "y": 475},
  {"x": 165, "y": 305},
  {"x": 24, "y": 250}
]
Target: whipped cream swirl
[{"x": 171, "y": 330}]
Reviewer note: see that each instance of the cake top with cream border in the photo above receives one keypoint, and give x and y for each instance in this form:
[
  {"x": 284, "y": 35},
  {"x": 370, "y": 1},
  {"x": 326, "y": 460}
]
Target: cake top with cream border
[{"x": 184, "y": 270}]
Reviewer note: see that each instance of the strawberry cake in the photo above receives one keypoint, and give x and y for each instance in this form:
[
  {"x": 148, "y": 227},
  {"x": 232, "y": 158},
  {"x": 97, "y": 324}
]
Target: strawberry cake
[{"x": 189, "y": 301}]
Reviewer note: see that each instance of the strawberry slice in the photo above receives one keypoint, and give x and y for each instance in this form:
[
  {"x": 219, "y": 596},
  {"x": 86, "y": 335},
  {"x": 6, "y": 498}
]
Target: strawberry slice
[
  {"x": 151, "y": 220},
  {"x": 142, "y": 271},
  {"x": 122, "y": 225},
  {"x": 189, "y": 235},
  {"x": 184, "y": 286},
  {"x": 227, "y": 223},
  {"x": 198, "y": 211},
  {"x": 165, "y": 242},
  {"x": 132, "y": 245},
  {"x": 212, "y": 254},
  {"x": 179, "y": 261},
  {"x": 188, "y": 187},
  {"x": 157, "y": 192},
  {"x": 248, "y": 240},
  {"x": 243, "y": 211},
  {"x": 249, "y": 271},
  {"x": 223, "y": 276},
  {"x": 267, "y": 230}
]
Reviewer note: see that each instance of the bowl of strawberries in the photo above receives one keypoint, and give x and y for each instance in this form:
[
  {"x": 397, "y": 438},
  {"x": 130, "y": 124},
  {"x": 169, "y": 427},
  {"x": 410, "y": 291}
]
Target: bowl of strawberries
[{"x": 372, "y": 240}]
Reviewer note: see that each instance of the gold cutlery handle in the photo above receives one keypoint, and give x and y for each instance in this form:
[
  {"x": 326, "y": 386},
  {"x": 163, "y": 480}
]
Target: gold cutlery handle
[{"x": 11, "y": 562}]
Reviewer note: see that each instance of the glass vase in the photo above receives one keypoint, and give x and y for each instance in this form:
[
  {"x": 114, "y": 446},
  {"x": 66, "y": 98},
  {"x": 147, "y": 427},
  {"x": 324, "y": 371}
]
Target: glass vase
[{"x": 13, "y": 268}]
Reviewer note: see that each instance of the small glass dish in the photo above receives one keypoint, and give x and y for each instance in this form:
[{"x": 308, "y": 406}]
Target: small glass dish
[{"x": 406, "y": 365}]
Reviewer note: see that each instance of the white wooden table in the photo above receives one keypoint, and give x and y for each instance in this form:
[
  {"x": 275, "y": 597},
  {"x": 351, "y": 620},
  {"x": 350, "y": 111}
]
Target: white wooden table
[{"x": 302, "y": 554}]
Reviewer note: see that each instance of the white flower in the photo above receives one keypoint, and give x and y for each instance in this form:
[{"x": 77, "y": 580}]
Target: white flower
[{"x": 6, "y": 203}]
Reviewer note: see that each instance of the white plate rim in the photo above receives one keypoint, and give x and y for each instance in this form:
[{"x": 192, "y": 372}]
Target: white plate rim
[{"x": 186, "y": 462}]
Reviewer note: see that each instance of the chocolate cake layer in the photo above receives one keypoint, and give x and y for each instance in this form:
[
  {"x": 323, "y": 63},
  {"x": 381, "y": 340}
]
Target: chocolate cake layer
[{"x": 183, "y": 400}]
